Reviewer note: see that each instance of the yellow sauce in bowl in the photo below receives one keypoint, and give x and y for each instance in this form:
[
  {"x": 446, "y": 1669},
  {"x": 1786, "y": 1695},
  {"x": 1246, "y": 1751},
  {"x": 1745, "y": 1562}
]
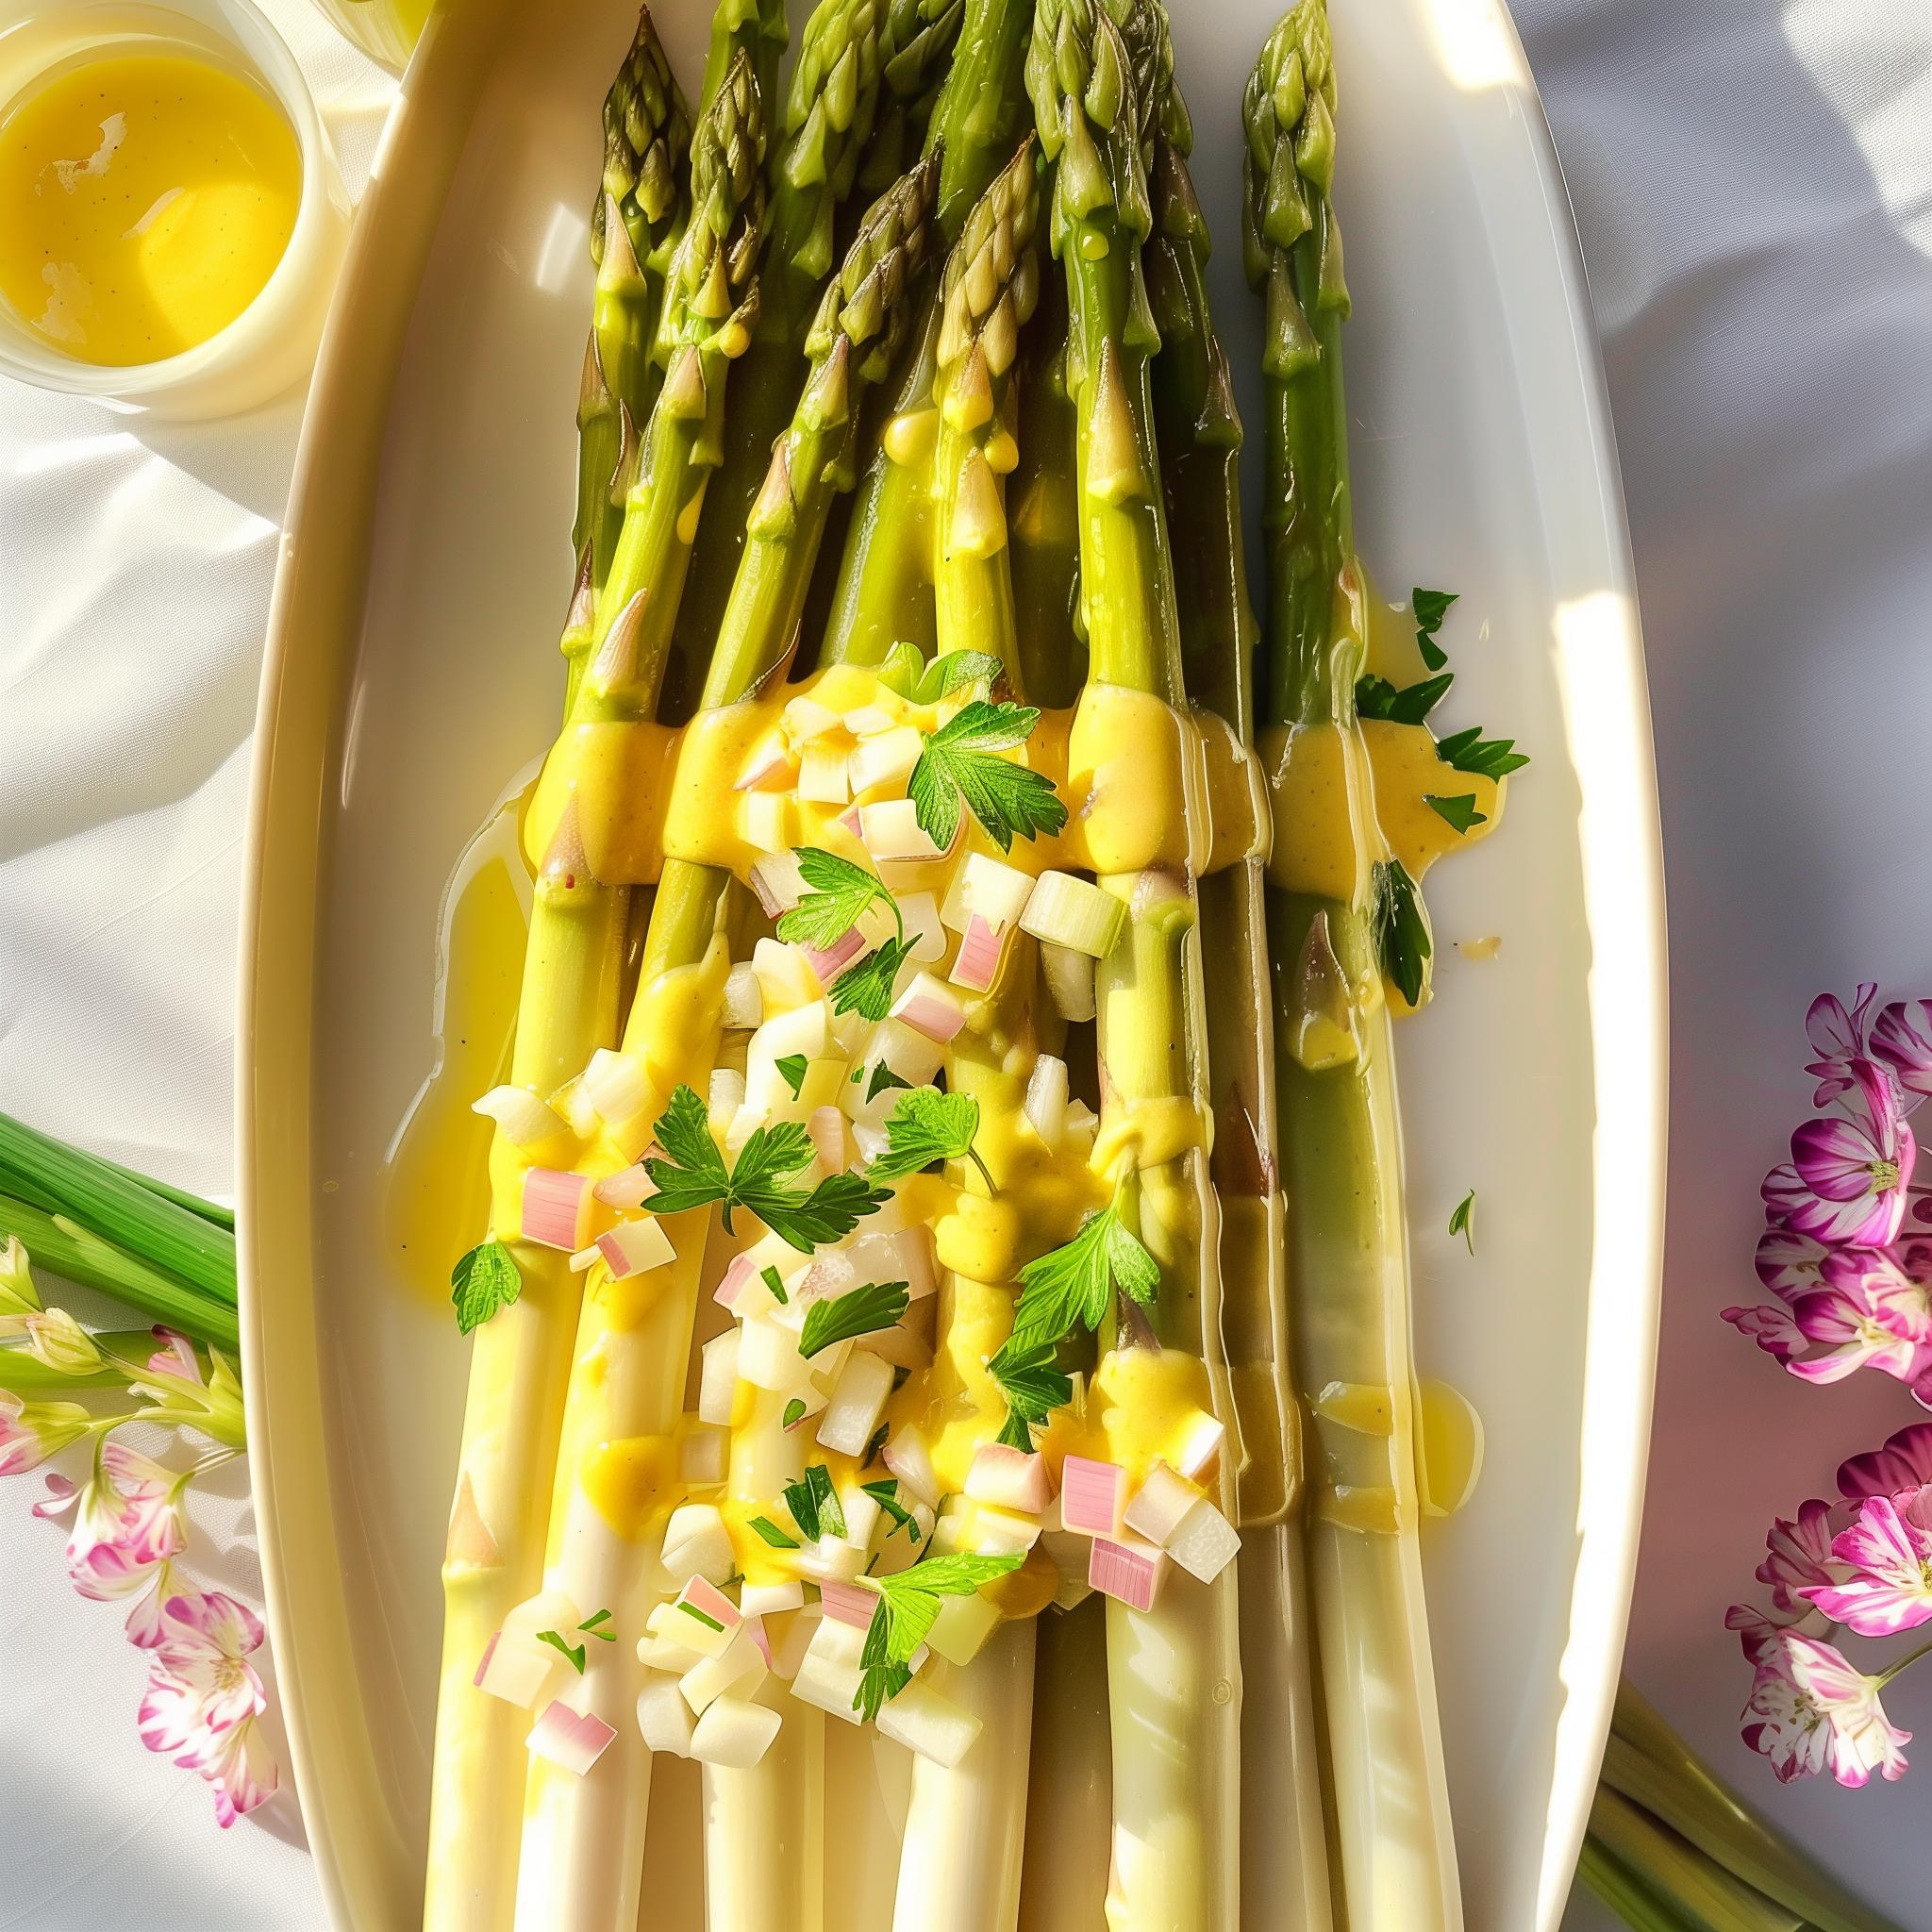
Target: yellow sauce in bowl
[{"x": 145, "y": 200}]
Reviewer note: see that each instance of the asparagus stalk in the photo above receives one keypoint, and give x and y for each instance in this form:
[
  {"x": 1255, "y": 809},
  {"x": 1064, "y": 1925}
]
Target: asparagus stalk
[
  {"x": 569, "y": 1005},
  {"x": 854, "y": 56},
  {"x": 755, "y": 28},
  {"x": 1284, "y": 1855},
  {"x": 639, "y": 212},
  {"x": 1175, "y": 1674},
  {"x": 583, "y": 1853},
  {"x": 960, "y": 1868},
  {"x": 1393, "y": 1859},
  {"x": 1070, "y": 1798},
  {"x": 884, "y": 592}
]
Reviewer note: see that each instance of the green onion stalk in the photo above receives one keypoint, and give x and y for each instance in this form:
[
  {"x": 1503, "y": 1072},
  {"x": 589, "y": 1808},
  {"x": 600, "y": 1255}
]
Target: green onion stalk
[
  {"x": 639, "y": 213},
  {"x": 855, "y": 57},
  {"x": 1173, "y": 1672},
  {"x": 159, "y": 1249},
  {"x": 573, "y": 974},
  {"x": 1392, "y": 1851},
  {"x": 1670, "y": 1849},
  {"x": 960, "y": 1866},
  {"x": 583, "y": 1845},
  {"x": 884, "y": 590},
  {"x": 1284, "y": 1852}
]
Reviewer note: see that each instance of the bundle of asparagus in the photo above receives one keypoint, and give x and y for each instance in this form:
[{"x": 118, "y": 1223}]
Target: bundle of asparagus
[{"x": 908, "y": 1265}]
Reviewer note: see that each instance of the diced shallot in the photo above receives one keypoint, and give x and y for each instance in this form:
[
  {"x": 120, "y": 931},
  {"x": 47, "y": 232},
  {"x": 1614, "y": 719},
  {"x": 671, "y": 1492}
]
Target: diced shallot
[
  {"x": 807, "y": 719},
  {"x": 978, "y": 964},
  {"x": 1046, "y": 1099},
  {"x": 1161, "y": 1503},
  {"x": 770, "y": 1599},
  {"x": 1069, "y": 982},
  {"x": 701, "y": 1457},
  {"x": 516, "y": 1672},
  {"x": 734, "y": 1733},
  {"x": 828, "y": 1674},
  {"x": 961, "y": 1630},
  {"x": 770, "y": 766},
  {"x": 632, "y": 1247},
  {"x": 847, "y": 1603},
  {"x": 779, "y": 882},
  {"x": 663, "y": 1716},
  {"x": 525, "y": 1119},
  {"x": 1204, "y": 1542},
  {"x": 717, "y": 1379},
  {"x": 929, "y": 1005},
  {"x": 1200, "y": 1439},
  {"x": 555, "y": 1206},
  {"x": 744, "y": 1005},
  {"x": 629, "y": 1187},
  {"x": 1009, "y": 1477},
  {"x": 1130, "y": 1571},
  {"x": 890, "y": 830},
  {"x": 704, "y": 1619},
  {"x": 827, "y": 1127},
  {"x": 822, "y": 775},
  {"x": 574, "y": 1740},
  {"x": 857, "y": 1402},
  {"x": 925, "y": 932},
  {"x": 741, "y": 1666},
  {"x": 930, "y": 1723},
  {"x": 1094, "y": 1497},
  {"x": 908, "y": 1457},
  {"x": 829, "y": 961},
  {"x": 885, "y": 758},
  {"x": 617, "y": 1086},
  {"x": 998, "y": 894},
  {"x": 696, "y": 1543},
  {"x": 867, "y": 721}
]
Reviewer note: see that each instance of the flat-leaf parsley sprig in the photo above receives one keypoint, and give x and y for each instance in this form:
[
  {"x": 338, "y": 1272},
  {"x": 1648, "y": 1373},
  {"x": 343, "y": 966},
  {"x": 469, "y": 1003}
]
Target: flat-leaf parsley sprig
[
  {"x": 961, "y": 760},
  {"x": 928, "y": 1125},
  {"x": 689, "y": 1172},
  {"x": 909, "y": 1607},
  {"x": 838, "y": 896}
]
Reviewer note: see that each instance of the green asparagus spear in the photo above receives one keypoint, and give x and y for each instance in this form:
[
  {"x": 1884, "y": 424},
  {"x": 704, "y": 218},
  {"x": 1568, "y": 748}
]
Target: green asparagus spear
[
  {"x": 1284, "y": 1854},
  {"x": 573, "y": 972},
  {"x": 884, "y": 590},
  {"x": 850, "y": 61},
  {"x": 639, "y": 212},
  {"x": 1392, "y": 1853},
  {"x": 755, "y": 28},
  {"x": 1176, "y": 1731}
]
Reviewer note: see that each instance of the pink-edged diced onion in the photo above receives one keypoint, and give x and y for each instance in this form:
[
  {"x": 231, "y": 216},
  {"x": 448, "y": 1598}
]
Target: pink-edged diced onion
[
  {"x": 514, "y": 1668},
  {"x": 1046, "y": 1099},
  {"x": 707, "y": 1600},
  {"x": 629, "y": 1187},
  {"x": 890, "y": 830},
  {"x": 632, "y": 1247},
  {"x": 756, "y": 1627},
  {"x": 886, "y": 758},
  {"x": 1009, "y": 1477},
  {"x": 908, "y": 1457},
  {"x": 929, "y": 1005},
  {"x": 807, "y": 719},
  {"x": 554, "y": 1208},
  {"x": 777, "y": 881},
  {"x": 1131, "y": 1571},
  {"x": 978, "y": 964},
  {"x": 525, "y": 1120},
  {"x": 1160, "y": 1504},
  {"x": 617, "y": 1086},
  {"x": 1094, "y": 1497},
  {"x": 574, "y": 1740},
  {"x": 829, "y": 961},
  {"x": 827, "y": 1130},
  {"x": 770, "y": 766},
  {"x": 847, "y": 1603},
  {"x": 1200, "y": 1443}
]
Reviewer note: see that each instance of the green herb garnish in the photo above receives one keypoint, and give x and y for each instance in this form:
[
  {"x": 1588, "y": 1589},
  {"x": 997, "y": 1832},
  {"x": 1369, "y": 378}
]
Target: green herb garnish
[
  {"x": 575, "y": 1653},
  {"x": 704, "y": 1617},
  {"x": 1376, "y": 697},
  {"x": 1074, "y": 1285},
  {"x": 840, "y": 892},
  {"x": 948, "y": 671},
  {"x": 485, "y": 1281},
  {"x": 1430, "y": 607},
  {"x": 866, "y": 986},
  {"x": 859, "y": 1311},
  {"x": 1462, "y": 1220},
  {"x": 1401, "y": 927},
  {"x": 1460, "y": 811},
  {"x": 775, "y": 1282},
  {"x": 908, "y": 1606},
  {"x": 928, "y": 1125},
  {"x": 814, "y": 1504},
  {"x": 1483, "y": 758},
  {"x": 961, "y": 760},
  {"x": 886, "y": 1494},
  {"x": 792, "y": 1070},
  {"x": 770, "y": 1531},
  {"x": 883, "y": 1080},
  {"x": 1033, "y": 1387},
  {"x": 794, "y": 1411}
]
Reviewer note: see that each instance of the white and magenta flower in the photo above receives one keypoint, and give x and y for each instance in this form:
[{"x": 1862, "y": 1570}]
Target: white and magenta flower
[
  {"x": 130, "y": 1523},
  {"x": 56, "y": 1339},
  {"x": 1852, "y": 1171},
  {"x": 1870, "y": 1314},
  {"x": 32, "y": 1431},
  {"x": 172, "y": 1385},
  {"x": 1790, "y": 1264},
  {"x": 1759, "y": 1630},
  {"x": 1809, "y": 1709},
  {"x": 1838, "y": 1038},
  {"x": 1887, "y": 1555},
  {"x": 1903, "y": 1040},
  {"x": 1903, "y": 1463},
  {"x": 1799, "y": 1553},
  {"x": 203, "y": 1696}
]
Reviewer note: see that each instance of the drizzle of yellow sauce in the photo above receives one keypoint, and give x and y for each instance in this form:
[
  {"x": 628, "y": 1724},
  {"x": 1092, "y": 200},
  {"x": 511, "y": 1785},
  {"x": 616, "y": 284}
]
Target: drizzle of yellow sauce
[
  {"x": 145, "y": 199},
  {"x": 1140, "y": 1407},
  {"x": 437, "y": 1190},
  {"x": 1449, "y": 1448},
  {"x": 634, "y": 1482}
]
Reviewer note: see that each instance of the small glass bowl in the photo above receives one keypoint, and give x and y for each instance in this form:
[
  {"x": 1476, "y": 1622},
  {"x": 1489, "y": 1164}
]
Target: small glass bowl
[{"x": 272, "y": 344}]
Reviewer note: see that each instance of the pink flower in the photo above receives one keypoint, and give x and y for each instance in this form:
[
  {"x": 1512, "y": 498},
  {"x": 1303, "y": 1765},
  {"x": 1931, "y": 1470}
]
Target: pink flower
[
  {"x": 1903, "y": 1463},
  {"x": 1838, "y": 1038},
  {"x": 1759, "y": 1630},
  {"x": 1800, "y": 1552},
  {"x": 1789, "y": 1263},
  {"x": 1809, "y": 1707},
  {"x": 1903, "y": 1040},
  {"x": 1870, "y": 1313},
  {"x": 59, "y": 1500},
  {"x": 129, "y": 1521},
  {"x": 202, "y": 1698},
  {"x": 1889, "y": 1558},
  {"x": 1853, "y": 1171},
  {"x": 1771, "y": 1330},
  {"x": 32, "y": 1431}
]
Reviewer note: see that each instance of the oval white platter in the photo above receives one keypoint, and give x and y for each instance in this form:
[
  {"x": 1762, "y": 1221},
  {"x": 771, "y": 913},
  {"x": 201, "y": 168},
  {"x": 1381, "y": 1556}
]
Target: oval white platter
[{"x": 411, "y": 672}]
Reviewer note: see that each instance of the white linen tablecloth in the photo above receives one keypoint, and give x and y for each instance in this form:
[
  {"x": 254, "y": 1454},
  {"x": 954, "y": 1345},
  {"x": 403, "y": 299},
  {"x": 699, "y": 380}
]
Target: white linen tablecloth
[{"x": 1753, "y": 185}]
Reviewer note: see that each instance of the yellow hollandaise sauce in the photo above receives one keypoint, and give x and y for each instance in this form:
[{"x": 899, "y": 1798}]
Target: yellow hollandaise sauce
[{"x": 145, "y": 199}]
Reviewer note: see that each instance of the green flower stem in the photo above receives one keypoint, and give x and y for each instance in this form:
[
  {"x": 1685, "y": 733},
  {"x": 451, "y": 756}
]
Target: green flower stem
[{"x": 1685, "y": 1891}]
